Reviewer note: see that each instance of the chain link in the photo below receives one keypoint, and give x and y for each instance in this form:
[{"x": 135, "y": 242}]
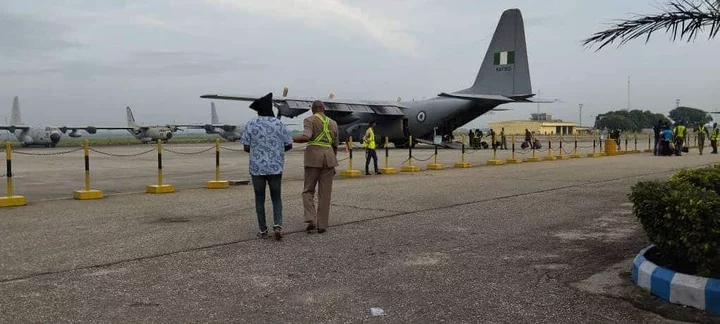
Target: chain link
[
  {"x": 188, "y": 153},
  {"x": 122, "y": 155},
  {"x": 48, "y": 154},
  {"x": 232, "y": 149}
]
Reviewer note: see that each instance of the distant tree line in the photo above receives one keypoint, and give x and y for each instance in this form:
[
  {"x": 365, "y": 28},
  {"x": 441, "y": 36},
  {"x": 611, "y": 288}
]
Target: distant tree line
[{"x": 636, "y": 120}]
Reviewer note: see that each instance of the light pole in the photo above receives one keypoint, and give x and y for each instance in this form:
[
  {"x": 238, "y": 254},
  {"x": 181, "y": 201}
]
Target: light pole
[{"x": 580, "y": 108}]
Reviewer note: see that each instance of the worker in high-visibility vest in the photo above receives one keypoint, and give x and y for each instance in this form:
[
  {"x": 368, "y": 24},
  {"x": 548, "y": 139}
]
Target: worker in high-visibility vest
[
  {"x": 702, "y": 133},
  {"x": 714, "y": 138},
  {"x": 321, "y": 134},
  {"x": 369, "y": 145},
  {"x": 679, "y": 133}
]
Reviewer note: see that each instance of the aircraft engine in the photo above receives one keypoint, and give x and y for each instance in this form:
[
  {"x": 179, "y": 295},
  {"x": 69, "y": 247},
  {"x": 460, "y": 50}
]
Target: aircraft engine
[
  {"x": 74, "y": 133},
  {"x": 91, "y": 130},
  {"x": 169, "y": 135},
  {"x": 209, "y": 128},
  {"x": 11, "y": 129},
  {"x": 227, "y": 128}
]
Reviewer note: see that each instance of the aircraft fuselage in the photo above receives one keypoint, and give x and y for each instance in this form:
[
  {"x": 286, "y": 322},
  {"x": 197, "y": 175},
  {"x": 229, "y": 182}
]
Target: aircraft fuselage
[
  {"x": 420, "y": 121},
  {"x": 152, "y": 134},
  {"x": 38, "y": 136},
  {"x": 230, "y": 135}
]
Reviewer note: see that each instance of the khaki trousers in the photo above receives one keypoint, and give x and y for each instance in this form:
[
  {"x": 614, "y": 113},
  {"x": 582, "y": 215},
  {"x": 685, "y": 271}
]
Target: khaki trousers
[{"x": 323, "y": 178}]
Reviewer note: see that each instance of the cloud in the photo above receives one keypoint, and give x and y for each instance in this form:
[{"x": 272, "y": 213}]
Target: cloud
[
  {"x": 389, "y": 33},
  {"x": 144, "y": 64},
  {"x": 24, "y": 36}
]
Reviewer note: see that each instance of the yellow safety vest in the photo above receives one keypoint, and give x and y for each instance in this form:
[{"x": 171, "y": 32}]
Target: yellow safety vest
[
  {"x": 701, "y": 131},
  {"x": 715, "y": 134},
  {"x": 680, "y": 131},
  {"x": 370, "y": 143},
  {"x": 323, "y": 139}
]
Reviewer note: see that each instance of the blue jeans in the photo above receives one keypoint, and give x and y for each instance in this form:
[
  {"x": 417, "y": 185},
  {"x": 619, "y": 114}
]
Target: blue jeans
[{"x": 259, "y": 183}]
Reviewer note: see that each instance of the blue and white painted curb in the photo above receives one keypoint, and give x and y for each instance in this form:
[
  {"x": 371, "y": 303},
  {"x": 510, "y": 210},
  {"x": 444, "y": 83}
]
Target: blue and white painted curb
[{"x": 699, "y": 292}]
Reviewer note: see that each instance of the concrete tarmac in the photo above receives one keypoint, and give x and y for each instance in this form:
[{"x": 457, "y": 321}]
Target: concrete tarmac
[{"x": 512, "y": 243}]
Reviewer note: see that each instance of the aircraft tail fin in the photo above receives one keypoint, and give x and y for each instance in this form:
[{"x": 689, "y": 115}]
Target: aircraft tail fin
[
  {"x": 15, "y": 118},
  {"x": 505, "y": 70},
  {"x": 214, "y": 119},
  {"x": 130, "y": 118}
]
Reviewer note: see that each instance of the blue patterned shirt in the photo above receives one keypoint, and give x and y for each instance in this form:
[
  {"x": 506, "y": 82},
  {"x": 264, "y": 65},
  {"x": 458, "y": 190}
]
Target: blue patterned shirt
[{"x": 267, "y": 138}]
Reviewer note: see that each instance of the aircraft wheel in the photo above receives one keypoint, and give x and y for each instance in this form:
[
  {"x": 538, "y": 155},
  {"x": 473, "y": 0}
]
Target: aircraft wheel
[{"x": 53, "y": 145}]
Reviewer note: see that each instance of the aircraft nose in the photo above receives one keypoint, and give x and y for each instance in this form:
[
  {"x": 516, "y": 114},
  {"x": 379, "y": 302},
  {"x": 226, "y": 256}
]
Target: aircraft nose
[{"x": 55, "y": 137}]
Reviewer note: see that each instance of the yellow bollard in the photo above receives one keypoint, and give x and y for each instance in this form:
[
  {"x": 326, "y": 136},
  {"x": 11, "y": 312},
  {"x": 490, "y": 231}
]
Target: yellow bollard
[
  {"x": 10, "y": 200},
  {"x": 595, "y": 154},
  {"x": 495, "y": 160},
  {"x": 533, "y": 158},
  {"x": 562, "y": 155},
  {"x": 513, "y": 159},
  {"x": 435, "y": 165},
  {"x": 160, "y": 188},
  {"x": 575, "y": 154},
  {"x": 350, "y": 172},
  {"x": 462, "y": 163},
  {"x": 387, "y": 169},
  {"x": 635, "y": 140},
  {"x": 410, "y": 167},
  {"x": 550, "y": 157},
  {"x": 88, "y": 193},
  {"x": 217, "y": 183}
]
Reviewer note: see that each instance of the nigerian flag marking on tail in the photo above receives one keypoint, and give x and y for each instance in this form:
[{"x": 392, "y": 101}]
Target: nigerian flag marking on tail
[{"x": 504, "y": 58}]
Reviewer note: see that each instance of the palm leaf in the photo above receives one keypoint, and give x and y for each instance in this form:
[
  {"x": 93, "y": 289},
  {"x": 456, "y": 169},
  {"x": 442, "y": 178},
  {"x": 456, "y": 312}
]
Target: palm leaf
[{"x": 681, "y": 18}]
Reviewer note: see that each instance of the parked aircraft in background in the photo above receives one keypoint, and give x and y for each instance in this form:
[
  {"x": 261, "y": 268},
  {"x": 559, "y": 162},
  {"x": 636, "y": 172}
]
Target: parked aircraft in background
[
  {"x": 48, "y": 136},
  {"x": 148, "y": 133},
  {"x": 231, "y": 133},
  {"x": 504, "y": 77}
]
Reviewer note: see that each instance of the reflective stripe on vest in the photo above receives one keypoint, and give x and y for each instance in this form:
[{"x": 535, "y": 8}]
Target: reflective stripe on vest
[
  {"x": 680, "y": 131},
  {"x": 323, "y": 139},
  {"x": 370, "y": 143}
]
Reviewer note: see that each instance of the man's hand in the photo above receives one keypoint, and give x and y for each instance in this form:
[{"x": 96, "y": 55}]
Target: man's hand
[{"x": 301, "y": 139}]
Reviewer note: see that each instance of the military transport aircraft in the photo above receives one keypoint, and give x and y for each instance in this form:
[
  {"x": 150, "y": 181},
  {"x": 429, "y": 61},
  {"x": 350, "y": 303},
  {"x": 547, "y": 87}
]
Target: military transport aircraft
[
  {"x": 504, "y": 77},
  {"x": 47, "y": 136},
  {"x": 148, "y": 133}
]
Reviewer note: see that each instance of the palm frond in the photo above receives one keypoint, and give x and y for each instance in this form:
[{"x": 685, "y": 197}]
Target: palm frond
[{"x": 681, "y": 18}]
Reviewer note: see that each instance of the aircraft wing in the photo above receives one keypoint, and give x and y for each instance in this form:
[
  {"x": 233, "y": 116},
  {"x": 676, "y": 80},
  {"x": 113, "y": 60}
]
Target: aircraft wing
[
  {"x": 14, "y": 127},
  {"x": 521, "y": 98},
  {"x": 295, "y": 106},
  {"x": 65, "y": 128}
]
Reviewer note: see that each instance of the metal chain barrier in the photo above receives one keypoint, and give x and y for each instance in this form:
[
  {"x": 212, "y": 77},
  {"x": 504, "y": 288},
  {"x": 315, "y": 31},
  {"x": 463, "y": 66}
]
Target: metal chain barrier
[
  {"x": 121, "y": 155},
  {"x": 188, "y": 153},
  {"x": 47, "y": 154},
  {"x": 231, "y": 149}
]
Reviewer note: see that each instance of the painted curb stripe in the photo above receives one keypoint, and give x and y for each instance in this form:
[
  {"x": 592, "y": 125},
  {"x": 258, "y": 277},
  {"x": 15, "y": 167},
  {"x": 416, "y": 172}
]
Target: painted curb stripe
[
  {"x": 688, "y": 290},
  {"x": 712, "y": 296}
]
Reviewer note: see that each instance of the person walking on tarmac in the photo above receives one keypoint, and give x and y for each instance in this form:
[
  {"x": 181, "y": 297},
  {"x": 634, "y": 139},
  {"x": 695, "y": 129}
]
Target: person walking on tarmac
[
  {"x": 267, "y": 140},
  {"x": 369, "y": 145},
  {"x": 702, "y": 132},
  {"x": 493, "y": 138},
  {"x": 503, "y": 139},
  {"x": 679, "y": 138},
  {"x": 321, "y": 134},
  {"x": 714, "y": 138},
  {"x": 657, "y": 129}
]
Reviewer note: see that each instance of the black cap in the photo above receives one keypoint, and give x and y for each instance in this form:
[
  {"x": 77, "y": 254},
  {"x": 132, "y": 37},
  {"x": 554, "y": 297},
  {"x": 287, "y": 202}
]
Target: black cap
[{"x": 263, "y": 106}]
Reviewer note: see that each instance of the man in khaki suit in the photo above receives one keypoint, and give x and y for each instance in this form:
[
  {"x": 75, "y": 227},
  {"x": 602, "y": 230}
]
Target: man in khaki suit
[{"x": 321, "y": 134}]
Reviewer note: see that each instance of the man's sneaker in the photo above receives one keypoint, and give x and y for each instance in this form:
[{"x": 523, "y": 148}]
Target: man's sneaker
[
  {"x": 263, "y": 234},
  {"x": 278, "y": 233}
]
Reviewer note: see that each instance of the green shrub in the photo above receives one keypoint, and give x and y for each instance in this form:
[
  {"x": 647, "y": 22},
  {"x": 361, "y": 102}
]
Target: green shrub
[{"x": 682, "y": 218}]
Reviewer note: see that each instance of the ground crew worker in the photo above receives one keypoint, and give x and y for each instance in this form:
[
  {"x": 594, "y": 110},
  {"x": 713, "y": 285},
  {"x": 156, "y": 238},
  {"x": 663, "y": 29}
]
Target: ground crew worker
[
  {"x": 321, "y": 134},
  {"x": 714, "y": 138},
  {"x": 702, "y": 132},
  {"x": 369, "y": 145},
  {"x": 503, "y": 139},
  {"x": 679, "y": 133},
  {"x": 493, "y": 138}
]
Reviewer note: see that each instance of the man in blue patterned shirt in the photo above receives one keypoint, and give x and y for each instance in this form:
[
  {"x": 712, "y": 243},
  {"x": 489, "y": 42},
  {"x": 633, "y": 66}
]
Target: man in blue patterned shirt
[{"x": 266, "y": 139}]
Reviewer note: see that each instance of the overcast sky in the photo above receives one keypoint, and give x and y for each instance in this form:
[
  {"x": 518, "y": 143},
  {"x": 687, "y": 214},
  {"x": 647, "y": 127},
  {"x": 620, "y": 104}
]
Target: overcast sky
[{"x": 82, "y": 62}]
